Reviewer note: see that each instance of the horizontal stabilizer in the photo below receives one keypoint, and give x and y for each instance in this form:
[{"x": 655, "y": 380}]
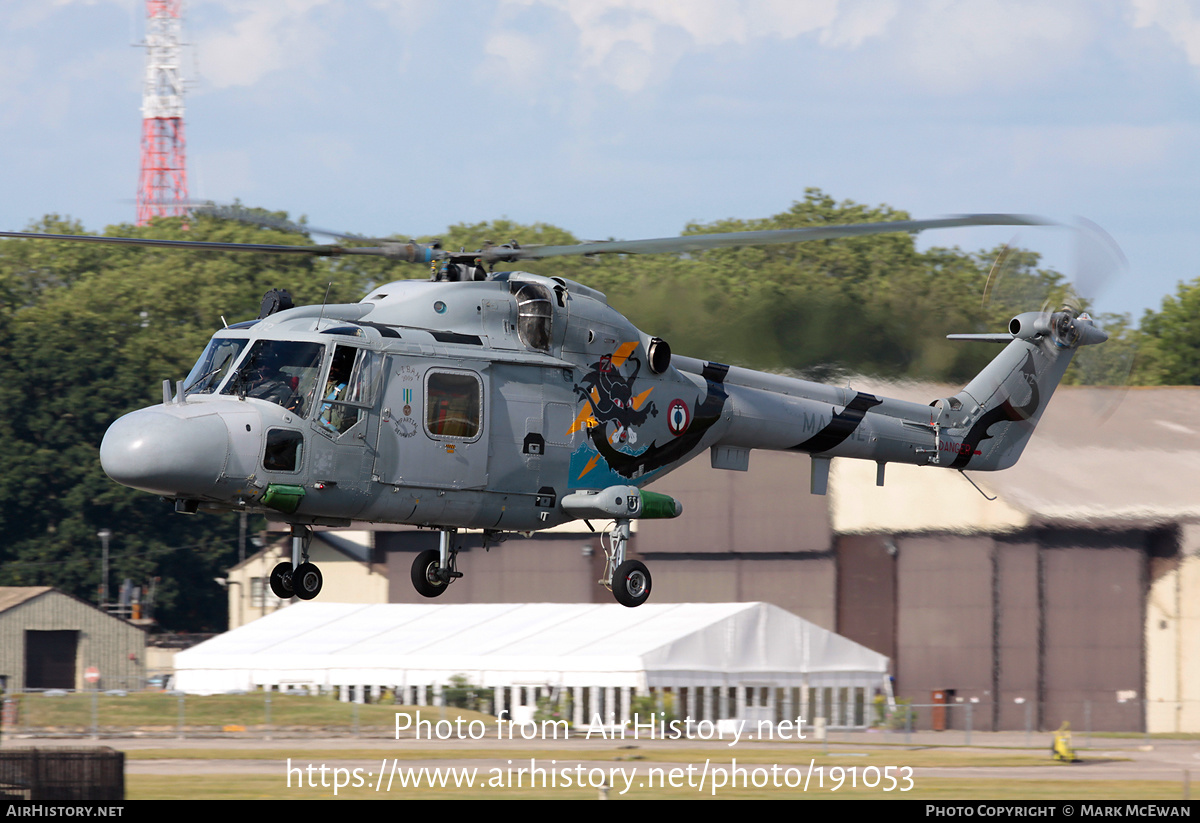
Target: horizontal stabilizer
[{"x": 983, "y": 338}]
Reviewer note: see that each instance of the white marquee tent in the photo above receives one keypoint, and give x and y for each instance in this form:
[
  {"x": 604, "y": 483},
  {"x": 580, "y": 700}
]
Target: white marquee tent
[{"x": 757, "y": 653}]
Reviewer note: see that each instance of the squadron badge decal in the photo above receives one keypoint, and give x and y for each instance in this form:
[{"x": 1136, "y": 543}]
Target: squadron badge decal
[
  {"x": 614, "y": 409},
  {"x": 611, "y": 397}
]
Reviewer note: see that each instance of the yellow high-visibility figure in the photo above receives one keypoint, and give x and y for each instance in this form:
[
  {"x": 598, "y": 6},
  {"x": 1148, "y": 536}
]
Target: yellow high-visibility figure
[{"x": 1061, "y": 748}]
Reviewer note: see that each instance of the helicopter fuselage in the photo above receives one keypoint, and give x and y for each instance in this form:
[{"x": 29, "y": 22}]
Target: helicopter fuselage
[
  {"x": 481, "y": 404},
  {"x": 516, "y": 403}
]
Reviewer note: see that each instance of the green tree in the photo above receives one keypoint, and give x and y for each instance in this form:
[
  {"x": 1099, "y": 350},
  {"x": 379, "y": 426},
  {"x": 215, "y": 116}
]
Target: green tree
[
  {"x": 1173, "y": 337},
  {"x": 88, "y": 333}
]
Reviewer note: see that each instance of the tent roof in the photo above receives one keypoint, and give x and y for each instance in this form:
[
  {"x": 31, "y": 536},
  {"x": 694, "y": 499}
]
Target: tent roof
[{"x": 530, "y": 643}]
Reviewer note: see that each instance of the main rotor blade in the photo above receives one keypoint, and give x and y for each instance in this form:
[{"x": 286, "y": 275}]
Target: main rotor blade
[
  {"x": 424, "y": 253},
  {"x": 703, "y": 242},
  {"x": 404, "y": 252},
  {"x": 243, "y": 215},
  {"x": 325, "y": 251}
]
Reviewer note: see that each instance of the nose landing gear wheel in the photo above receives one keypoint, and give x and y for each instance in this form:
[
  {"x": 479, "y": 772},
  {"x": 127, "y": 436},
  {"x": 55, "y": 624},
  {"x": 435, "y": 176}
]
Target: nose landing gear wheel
[
  {"x": 631, "y": 583},
  {"x": 307, "y": 581},
  {"x": 281, "y": 581},
  {"x": 425, "y": 574}
]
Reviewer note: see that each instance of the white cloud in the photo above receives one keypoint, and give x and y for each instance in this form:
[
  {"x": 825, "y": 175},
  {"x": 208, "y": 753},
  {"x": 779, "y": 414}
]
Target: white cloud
[
  {"x": 630, "y": 44},
  {"x": 858, "y": 22},
  {"x": 513, "y": 58},
  {"x": 263, "y": 38},
  {"x": 605, "y": 24},
  {"x": 953, "y": 47},
  {"x": 946, "y": 46},
  {"x": 1178, "y": 18}
]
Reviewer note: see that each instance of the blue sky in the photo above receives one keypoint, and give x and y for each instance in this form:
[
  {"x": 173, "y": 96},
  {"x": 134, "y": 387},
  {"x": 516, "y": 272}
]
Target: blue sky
[{"x": 631, "y": 118}]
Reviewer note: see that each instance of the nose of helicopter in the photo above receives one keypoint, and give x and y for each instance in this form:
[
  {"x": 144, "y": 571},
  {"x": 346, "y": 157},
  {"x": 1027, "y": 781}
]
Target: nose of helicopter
[{"x": 165, "y": 453}]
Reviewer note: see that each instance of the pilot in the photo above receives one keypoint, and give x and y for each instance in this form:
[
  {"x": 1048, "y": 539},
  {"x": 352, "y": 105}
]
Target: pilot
[
  {"x": 269, "y": 382},
  {"x": 333, "y": 417}
]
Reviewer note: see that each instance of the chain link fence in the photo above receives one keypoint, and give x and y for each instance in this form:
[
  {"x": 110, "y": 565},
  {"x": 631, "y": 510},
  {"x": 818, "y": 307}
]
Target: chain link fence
[{"x": 962, "y": 723}]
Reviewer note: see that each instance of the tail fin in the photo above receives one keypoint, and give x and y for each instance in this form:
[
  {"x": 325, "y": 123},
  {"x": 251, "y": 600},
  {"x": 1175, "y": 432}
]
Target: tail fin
[
  {"x": 997, "y": 411},
  {"x": 990, "y": 421}
]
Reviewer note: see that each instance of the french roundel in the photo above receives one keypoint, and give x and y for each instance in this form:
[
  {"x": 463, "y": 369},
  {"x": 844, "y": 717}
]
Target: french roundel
[{"x": 678, "y": 417}]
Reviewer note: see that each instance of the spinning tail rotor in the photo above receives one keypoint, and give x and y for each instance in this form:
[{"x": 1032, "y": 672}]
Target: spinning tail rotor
[{"x": 1063, "y": 316}]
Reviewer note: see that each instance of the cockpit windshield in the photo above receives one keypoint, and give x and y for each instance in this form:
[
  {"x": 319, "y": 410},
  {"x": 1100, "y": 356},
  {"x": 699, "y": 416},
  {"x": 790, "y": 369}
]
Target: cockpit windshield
[
  {"x": 280, "y": 371},
  {"x": 214, "y": 364}
]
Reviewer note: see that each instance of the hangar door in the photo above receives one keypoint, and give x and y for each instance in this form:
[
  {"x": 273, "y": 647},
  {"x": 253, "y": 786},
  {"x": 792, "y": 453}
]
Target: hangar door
[{"x": 50, "y": 659}]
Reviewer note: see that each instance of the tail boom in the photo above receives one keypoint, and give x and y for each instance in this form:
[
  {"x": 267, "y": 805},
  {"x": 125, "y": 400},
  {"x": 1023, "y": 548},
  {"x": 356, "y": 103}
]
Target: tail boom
[{"x": 984, "y": 427}]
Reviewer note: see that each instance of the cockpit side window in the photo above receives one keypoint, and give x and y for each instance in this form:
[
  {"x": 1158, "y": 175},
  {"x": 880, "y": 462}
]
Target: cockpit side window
[
  {"x": 283, "y": 372},
  {"x": 365, "y": 378},
  {"x": 214, "y": 364},
  {"x": 353, "y": 383}
]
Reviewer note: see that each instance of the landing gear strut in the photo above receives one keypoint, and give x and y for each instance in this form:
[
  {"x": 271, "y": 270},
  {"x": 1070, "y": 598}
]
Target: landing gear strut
[
  {"x": 432, "y": 570},
  {"x": 298, "y": 578},
  {"x": 629, "y": 580}
]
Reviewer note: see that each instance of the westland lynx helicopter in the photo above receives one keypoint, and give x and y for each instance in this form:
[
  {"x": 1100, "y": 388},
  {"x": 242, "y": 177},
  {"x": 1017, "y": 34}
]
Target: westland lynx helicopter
[{"x": 512, "y": 402}]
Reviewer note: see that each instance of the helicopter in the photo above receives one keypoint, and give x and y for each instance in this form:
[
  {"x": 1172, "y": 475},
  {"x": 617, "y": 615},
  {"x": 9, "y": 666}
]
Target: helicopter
[{"x": 509, "y": 402}]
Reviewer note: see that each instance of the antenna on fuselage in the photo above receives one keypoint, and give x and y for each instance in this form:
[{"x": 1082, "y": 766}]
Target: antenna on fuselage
[{"x": 323, "y": 302}]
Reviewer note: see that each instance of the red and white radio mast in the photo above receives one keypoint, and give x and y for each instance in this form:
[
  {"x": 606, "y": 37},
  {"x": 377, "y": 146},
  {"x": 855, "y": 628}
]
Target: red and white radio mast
[{"x": 162, "y": 187}]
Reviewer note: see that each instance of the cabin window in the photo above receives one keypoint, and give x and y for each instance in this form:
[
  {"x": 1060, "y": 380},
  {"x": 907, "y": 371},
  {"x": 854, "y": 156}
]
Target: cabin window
[{"x": 454, "y": 404}]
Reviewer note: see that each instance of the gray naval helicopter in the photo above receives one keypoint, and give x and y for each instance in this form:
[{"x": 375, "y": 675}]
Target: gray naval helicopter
[{"x": 511, "y": 402}]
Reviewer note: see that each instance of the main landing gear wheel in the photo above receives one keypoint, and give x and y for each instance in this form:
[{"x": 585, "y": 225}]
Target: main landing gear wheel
[
  {"x": 306, "y": 581},
  {"x": 426, "y": 575},
  {"x": 281, "y": 581},
  {"x": 631, "y": 583}
]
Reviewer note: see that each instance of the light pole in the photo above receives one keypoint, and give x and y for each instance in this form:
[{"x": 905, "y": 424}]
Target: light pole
[{"x": 104, "y": 534}]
